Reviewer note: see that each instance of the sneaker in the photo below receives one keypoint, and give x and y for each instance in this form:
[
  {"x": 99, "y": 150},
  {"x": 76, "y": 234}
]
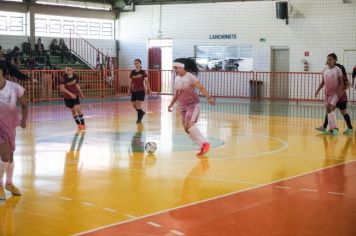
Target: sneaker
[
  {"x": 204, "y": 149},
  {"x": 2, "y": 194},
  {"x": 321, "y": 129},
  {"x": 13, "y": 189},
  {"x": 332, "y": 132},
  {"x": 81, "y": 127},
  {"x": 348, "y": 131}
]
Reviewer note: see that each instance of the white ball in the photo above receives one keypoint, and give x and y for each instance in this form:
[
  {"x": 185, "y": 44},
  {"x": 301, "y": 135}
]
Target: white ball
[{"x": 150, "y": 147}]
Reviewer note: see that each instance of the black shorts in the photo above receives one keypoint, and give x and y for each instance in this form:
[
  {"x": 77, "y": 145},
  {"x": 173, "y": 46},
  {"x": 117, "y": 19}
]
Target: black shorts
[
  {"x": 138, "y": 96},
  {"x": 342, "y": 105},
  {"x": 70, "y": 103}
]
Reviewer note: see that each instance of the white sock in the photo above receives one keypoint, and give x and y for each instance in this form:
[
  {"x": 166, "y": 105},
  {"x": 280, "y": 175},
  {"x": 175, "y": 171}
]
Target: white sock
[
  {"x": 196, "y": 136},
  {"x": 10, "y": 173},
  {"x": 3, "y": 168},
  {"x": 332, "y": 120}
]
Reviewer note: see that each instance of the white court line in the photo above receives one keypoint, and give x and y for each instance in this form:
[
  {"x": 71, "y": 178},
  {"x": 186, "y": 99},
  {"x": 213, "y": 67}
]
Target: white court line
[
  {"x": 213, "y": 198},
  {"x": 334, "y": 193},
  {"x": 110, "y": 210},
  {"x": 309, "y": 190},
  {"x": 176, "y": 232},
  {"x": 285, "y": 146},
  {"x": 131, "y": 216},
  {"x": 154, "y": 224},
  {"x": 87, "y": 204},
  {"x": 282, "y": 187},
  {"x": 66, "y": 198}
]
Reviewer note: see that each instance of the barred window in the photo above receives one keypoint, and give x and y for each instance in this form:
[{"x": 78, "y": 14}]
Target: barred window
[
  {"x": 12, "y": 23},
  {"x": 59, "y": 26}
]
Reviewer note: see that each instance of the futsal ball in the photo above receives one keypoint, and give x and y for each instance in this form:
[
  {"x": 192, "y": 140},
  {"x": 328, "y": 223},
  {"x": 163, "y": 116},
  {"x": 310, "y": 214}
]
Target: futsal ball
[{"x": 150, "y": 147}]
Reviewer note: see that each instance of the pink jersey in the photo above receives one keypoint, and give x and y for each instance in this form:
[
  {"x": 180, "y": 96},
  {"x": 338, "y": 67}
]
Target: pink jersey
[
  {"x": 331, "y": 80},
  {"x": 9, "y": 118},
  {"x": 185, "y": 88}
]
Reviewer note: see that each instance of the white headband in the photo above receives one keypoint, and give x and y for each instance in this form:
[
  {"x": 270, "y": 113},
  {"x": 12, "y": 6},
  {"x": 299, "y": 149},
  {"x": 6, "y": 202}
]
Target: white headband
[{"x": 178, "y": 64}]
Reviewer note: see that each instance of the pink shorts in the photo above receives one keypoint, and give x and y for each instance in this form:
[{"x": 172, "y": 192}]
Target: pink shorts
[
  {"x": 190, "y": 114},
  {"x": 331, "y": 99},
  {"x": 9, "y": 137}
]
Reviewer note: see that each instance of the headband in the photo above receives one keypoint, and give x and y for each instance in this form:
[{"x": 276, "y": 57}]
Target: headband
[{"x": 178, "y": 64}]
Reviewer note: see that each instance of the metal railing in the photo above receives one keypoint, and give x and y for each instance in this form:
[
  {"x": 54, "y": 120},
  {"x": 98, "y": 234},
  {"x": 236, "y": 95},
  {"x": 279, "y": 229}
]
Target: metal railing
[
  {"x": 291, "y": 86},
  {"x": 84, "y": 50}
]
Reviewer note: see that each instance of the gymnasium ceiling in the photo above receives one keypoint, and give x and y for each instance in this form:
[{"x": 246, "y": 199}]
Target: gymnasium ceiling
[{"x": 151, "y": 2}]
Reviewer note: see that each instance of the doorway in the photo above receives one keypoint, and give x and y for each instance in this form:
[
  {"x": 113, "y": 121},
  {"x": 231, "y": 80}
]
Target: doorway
[
  {"x": 160, "y": 56},
  {"x": 279, "y": 85}
]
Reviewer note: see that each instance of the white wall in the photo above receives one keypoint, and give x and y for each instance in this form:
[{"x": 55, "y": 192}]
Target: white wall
[{"x": 317, "y": 26}]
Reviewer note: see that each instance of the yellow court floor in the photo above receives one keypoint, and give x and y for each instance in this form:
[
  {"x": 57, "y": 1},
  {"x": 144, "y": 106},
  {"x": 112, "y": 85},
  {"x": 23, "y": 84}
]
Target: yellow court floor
[{"x": 78, "y": 181}]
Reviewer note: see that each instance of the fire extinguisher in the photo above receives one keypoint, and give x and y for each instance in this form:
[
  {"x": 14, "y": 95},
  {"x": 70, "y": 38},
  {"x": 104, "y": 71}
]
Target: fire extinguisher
[{"x": 306, "y": 65}]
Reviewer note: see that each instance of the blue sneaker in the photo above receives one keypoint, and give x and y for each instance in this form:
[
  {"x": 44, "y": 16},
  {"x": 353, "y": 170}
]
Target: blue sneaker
[
  {"x": 333, "y": 132},
  {"x": 348, "y": 131}
]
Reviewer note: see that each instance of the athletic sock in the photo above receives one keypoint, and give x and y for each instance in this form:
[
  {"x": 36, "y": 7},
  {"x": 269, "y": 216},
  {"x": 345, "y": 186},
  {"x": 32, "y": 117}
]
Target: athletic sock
[
  {"x": 325, "y": 125},
  {"x": 81, "y": 119},
  {"x": 332, "y": 120},
  {"x": 10, "y": 173},
  {"x": 3, "y": 168},
  {"x": 196, "y": 136},
  {"x": 348, "y": 121},
  {"x": 77, "y": 120}
]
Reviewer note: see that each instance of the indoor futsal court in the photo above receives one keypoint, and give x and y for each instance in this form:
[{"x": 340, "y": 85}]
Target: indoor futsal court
[{"x": 173, "y": 118}]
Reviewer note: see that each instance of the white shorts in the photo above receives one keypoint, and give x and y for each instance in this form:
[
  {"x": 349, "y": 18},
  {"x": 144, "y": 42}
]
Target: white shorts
[
  {"x": 331, "y": 99},
  {"x": 190, "y": 114}
]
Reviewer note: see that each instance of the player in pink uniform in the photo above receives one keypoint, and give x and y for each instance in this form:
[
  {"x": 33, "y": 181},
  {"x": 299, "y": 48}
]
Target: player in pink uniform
[
  {"x": 188, "y": 101},
  {"x": 334, "y": 89},
  {"x": 10, "y": 93},
  {"x": 341, "y": 105}
]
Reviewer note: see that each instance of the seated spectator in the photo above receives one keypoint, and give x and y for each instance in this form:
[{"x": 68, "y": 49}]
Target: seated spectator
[
  {"x": 55, "y": 48},
  {"x": 12, "y": 57},
  {"x": 39, "y": 48},
  {"x": 40, "y": 52},
  {"x": 65, "y": 52}
]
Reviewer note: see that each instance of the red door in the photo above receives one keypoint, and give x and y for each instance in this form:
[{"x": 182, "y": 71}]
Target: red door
[{"x": 154, "y": 66}]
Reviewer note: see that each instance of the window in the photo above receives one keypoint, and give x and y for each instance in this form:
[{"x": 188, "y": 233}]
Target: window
[
  {"x": 58, "y": 26},
  {"x": 12, "y": 23},
  {"x": 225, "y": 57}
]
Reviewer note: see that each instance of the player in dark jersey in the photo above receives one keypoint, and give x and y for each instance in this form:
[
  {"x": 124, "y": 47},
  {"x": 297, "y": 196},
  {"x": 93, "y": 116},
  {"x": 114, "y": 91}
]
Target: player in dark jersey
[
  {"x": 341, "y": 105},
  {"x": 139, "y": 86},
  {"x": 69, "y": 86}
]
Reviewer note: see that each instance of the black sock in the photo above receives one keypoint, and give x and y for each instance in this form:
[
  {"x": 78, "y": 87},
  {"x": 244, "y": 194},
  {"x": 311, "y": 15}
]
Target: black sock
[
  {"x": 325, "y": 125},
  {"x": 348, "y": 121},
  {"x": 81, "y": 118},
  {"x": 139, "y": 114},
  {"x": 77, "y": 120}
]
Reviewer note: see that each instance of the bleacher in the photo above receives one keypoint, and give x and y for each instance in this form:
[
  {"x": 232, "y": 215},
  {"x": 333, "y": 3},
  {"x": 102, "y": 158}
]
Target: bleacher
[{"x": 29, "y": 60}]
